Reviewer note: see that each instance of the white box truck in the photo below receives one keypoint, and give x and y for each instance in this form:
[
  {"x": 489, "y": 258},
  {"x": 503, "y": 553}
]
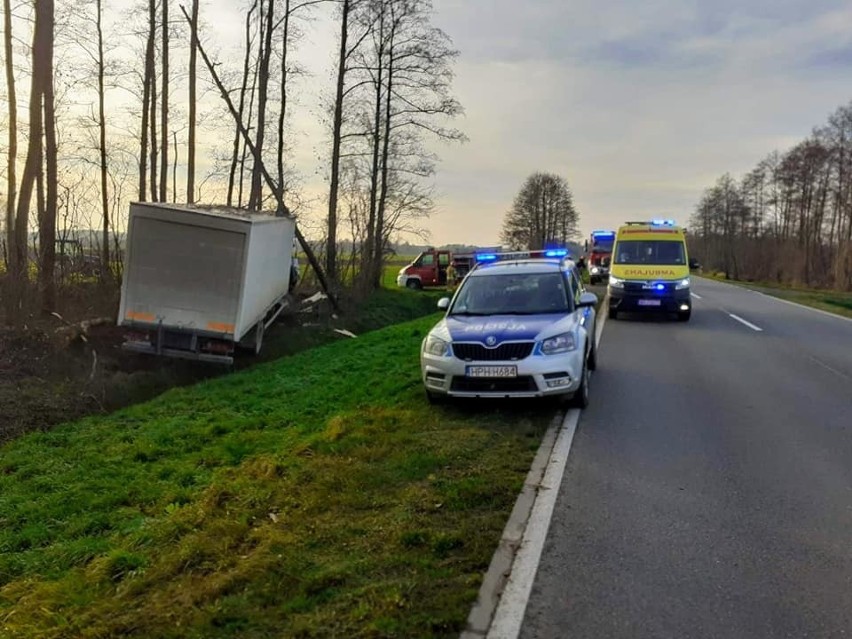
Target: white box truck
[{"x": 201, "y": 281}]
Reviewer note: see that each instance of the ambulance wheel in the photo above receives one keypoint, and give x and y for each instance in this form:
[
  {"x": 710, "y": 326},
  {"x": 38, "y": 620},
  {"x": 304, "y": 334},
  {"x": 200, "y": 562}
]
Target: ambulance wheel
[{"x": 414, "y": 285}]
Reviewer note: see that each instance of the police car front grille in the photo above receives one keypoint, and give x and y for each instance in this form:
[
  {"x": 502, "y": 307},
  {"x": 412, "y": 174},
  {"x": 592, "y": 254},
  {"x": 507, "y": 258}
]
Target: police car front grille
[
  {"x": 493, "y": 385},
  {"x": 505, "y": 352}
]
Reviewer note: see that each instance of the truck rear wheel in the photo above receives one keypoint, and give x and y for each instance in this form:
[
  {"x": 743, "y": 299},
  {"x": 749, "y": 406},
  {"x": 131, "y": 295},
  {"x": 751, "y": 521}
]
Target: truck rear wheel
[{"x": 253, "y": 343}]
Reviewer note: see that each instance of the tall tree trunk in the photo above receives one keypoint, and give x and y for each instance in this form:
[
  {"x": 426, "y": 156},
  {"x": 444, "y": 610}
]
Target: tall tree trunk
[
  {"x": 164, "y": 109},
  {"x": 235, "y": 156},
  {"x": 375, "y": 169},
  {"x": 174, "y": 167},
  {"x": 282, "y": 112},
  {"x": 337, "y": 129},
  {"x": 105, "y": 265},
  {"x": 11, "y": 177},
  {"x": 146, "y": 109},
  {"x": 256, "y": 194},
  {"x": 378, "y": 249},
  {"x": 250, "y": 119},
  {"x": 152, "y": 118},
  {"x": 190, "y": 161},
  {"x": 47, "y": 227}
]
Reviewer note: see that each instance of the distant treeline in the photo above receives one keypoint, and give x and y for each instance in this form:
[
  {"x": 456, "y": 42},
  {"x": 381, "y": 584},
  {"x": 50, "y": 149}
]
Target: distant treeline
[{"x": 789, "y": 220}]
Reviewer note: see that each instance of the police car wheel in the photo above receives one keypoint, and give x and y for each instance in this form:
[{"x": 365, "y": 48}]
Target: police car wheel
[
  {"x": 593, "y": 357},
  {"x": 435, "y": 398},
  {"x": 684, "y": 316},
  {"x": 581, "y": 395},
  {"x": 613, "y": 314}
]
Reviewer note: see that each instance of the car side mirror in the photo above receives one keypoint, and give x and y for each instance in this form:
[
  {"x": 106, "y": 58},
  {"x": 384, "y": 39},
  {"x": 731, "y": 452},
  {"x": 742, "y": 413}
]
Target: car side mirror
[
  {"x": 693, "y": 264},
  {"x": 588, "y": 299},
  {"x": 444, "y": 303}
]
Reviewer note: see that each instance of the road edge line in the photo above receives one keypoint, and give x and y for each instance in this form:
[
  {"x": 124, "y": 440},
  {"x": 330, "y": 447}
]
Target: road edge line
[
  {"x": 780, "y": 299},
  {"x": 541, "y": 475}
]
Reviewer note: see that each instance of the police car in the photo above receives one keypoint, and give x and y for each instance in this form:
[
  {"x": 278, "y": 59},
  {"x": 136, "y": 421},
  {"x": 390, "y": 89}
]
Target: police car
[{"x": 520, "y": 325}]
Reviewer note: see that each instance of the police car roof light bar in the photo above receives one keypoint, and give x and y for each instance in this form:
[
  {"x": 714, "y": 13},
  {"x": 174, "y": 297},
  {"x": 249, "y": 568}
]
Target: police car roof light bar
[{"x": 521, "y": 255}]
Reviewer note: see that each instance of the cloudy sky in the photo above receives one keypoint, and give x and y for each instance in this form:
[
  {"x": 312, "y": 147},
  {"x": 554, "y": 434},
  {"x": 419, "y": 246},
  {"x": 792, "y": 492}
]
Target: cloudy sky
[{"x": 641, "y": 105}]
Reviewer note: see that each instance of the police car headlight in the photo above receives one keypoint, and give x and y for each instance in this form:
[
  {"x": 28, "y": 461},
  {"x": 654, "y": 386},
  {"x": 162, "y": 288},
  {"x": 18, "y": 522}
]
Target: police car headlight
[
  {"x": 684, "y": 283},
  {"x": 615, "y": 282},
  {"x": 559, "y": 344},
  {"x": 435, "y": 346},
  {"x": 595, "y": 270}
]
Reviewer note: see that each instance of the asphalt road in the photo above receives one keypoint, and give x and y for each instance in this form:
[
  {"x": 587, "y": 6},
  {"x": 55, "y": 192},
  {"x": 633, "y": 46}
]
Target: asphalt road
[{"x": 708, "y": 492}]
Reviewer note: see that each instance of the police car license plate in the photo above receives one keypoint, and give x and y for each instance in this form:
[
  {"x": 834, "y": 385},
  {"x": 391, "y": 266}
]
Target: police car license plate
[
  {"x": 649, "y": 302},
  {"x": 492, "y": 371}
]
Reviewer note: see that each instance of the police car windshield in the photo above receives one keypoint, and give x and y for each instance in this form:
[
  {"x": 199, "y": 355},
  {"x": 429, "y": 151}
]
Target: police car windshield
[
  {"x": 513, "y": 294},
  {"x": 667, "y": 252}
]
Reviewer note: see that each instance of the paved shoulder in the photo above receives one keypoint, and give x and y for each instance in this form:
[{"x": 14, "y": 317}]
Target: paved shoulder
[{"x": 708, "y": 490}]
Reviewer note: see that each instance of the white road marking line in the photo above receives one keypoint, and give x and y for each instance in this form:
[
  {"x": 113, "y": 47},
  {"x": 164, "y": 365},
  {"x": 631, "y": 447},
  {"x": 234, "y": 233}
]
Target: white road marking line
[
  {"x": 698, "y": 297},
  {"x": 828, "y": 368},
  {"x": 783, "y": 301},
  {"x": 747, "y": 323},
  {"x": 807, "y": 308},
  {"x": 513, "y": 602}
]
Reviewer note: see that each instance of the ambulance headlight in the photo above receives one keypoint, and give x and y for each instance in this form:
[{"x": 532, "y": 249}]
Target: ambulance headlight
[
  {"x": 684, "y": 283},
  {"x": 435, "y": 346},
  {"x": 559, "y": 344},
  {"x": 615, "y": 282}
]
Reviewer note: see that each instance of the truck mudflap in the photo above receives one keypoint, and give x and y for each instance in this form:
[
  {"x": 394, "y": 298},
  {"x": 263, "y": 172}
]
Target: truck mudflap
[{"x": 150, "y": 349}]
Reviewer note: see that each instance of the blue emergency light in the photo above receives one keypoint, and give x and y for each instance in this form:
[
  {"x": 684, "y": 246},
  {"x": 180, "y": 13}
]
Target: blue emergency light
[
  {"x": 660, "y": 287},
  {"x": 556, "y": 253},
  {"x": 486, "y": 257},
  {"x": 662, "y": 222},
  {"x": 603, "y": 234}
]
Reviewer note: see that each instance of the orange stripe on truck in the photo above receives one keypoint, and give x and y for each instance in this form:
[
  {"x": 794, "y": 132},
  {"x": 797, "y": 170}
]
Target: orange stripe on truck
[
  {"x": 142, "y": 317},
  {"x": 220, "y": 327}
]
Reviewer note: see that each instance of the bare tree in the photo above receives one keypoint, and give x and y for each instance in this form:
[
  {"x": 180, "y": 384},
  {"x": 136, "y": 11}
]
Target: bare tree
[
  {"x": 105, "y": 263},
  {"x": 267, "y": 30},
  {"x": 543, "y": 212},
  {"x": 190, "y": 167},
  {"x": 11, "y": 175},
  {"x": 164, "y": 108}
]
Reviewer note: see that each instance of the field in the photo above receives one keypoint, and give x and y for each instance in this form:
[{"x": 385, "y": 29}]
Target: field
[{"x": 317, "y": 495}]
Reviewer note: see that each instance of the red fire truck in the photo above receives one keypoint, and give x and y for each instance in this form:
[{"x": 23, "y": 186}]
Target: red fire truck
[{"x": 600, "y": 254}]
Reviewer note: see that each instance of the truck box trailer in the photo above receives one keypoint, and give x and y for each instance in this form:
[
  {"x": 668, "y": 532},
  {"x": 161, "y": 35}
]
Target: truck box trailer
[{"x": 201, "y": 281}]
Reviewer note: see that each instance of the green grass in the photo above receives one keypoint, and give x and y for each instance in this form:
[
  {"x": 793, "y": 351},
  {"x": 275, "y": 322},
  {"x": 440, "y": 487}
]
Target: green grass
[
  {"x": 837, "y": 302},
  {"x": 318, "y": 495}
]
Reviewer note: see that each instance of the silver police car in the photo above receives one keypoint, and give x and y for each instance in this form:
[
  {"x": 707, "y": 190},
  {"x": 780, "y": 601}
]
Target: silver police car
[{"x": 518, "y": 326}]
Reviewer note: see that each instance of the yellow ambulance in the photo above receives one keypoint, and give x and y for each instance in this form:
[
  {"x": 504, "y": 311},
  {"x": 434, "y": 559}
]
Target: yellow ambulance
[{"x": 649, "y": 270}]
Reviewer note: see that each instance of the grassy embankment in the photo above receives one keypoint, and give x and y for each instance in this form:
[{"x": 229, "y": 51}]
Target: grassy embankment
[
  {"x": 836, "y": 302},
  {"x": 317, "y": 495}
]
